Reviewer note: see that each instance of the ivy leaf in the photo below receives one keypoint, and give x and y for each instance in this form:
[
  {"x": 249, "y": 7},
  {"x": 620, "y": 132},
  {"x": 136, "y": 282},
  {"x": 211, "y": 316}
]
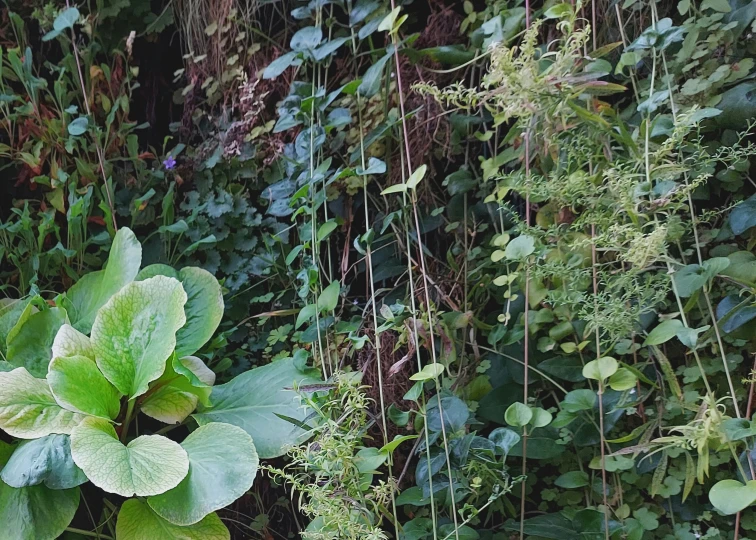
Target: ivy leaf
[
  {"x": 254, "y": 400},
  {"x": 416, "y": 177},
  {"x": 732, "y": 496},
  {"x": 213, "y": 481},
  {"x": 46, "y": 460},
  {"x": 579, "y": 400},
  {"x": 743, "y": 216},
  {"x": 78, "y": 126},
  {"x": 371, "y": 81},
  {"x": 689, "y": 279},
  {"x": 135, "y": 332},
  {"x": 28, "y": 409},
  {"x": 601, "y": 368},
  {"x": 663, "y": 332},
  {"x": 572, "y": 480},
  {"x": 80, "y": 387},
  {"x": 89, "y": 294},
  {"x": 65, "y": 19},
  {"x": 306, "y": 39},
  {"x": 137, "y": 521},
  {"x": 329, "y": 297},
  {"x": 280, "y": 64},
  {"x": 328, "y": 48},
  {"x": 428, "y": 373},
  {"x": 518, "y": 414},
  {"x": 519, "y": 248},
  {"x": 504, "y": 439},
  {"x": 148, "y": 465}
]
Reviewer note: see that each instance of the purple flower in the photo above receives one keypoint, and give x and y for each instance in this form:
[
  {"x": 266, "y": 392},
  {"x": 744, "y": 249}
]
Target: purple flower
[{"x": 169, "y": 163}]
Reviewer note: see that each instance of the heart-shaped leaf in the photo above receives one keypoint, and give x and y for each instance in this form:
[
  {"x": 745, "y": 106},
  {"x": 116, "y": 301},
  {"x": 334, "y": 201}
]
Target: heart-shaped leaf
[
  {"x": 148, "y": 465},
  {"x": 28, "y": 409},
  {"x": 214, "y": 481},
  {"x": 601, "y": 368},
  {"x": 137, "y": 521},
  {"x": 135, "y": 332},
  {"x": 70, "y": 342},
  {"x": 731, "y": 496},
  {"x": 36, "y": 512}
]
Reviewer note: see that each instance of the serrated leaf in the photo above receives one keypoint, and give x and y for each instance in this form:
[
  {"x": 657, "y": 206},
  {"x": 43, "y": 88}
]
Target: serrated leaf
[
  {"x": 135, "y": 332},
  {"x": 213, "y": 481},
  {"x": 80, "y": 387},
  {"x": 28, "y": 409},
  {"x": 46, "y": 460},
  {"x": 148, "y": 465},
  {"x": 137, "y": 521}
]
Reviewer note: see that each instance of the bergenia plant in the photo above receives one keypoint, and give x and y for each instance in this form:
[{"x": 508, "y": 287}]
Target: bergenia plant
[{"x": 119, "y": 343}]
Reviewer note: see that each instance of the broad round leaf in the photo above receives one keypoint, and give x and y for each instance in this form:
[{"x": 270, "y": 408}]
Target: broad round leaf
[
  {"x": 203, "y": 308},
  {"x": 137, "y": 521},
  {"x": 214, "y": 481},
  {"x": 148, "y": 465},
  {"x": 28, "y": 409},
  {"x": 663, "y": 332},
  {"x": 79, "y": 386},
  {"x": 135, "y": 332},
  {"x": 36, "y": 512},
  {"x": 504, "y": 439},
  {"x": 92, "y": 291},
  {"x": 732, "y": 496},
  {"x": 70, "y": 342},
  {"x": 601, "y": 368},
  {"x": 46, "y": 460},
  {"x": 541, "y": 417},
  {"x": 520, "y": 247},
  {"x": 254, "y": 400},
  {"x": 518, "y": 414},
  {"x": 622, "y": 380}
]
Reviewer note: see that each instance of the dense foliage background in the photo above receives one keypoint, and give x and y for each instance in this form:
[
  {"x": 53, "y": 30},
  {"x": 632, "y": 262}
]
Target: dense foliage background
[{"x": 516, "y": 239}]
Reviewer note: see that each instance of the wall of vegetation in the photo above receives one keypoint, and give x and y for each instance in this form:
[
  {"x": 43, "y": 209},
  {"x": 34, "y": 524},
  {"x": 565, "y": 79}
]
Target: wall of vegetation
[{"x": 373, "y": 269}]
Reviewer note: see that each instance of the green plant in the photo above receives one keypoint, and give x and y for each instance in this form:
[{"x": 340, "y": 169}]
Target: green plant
[{"x": 144, "y": 328}]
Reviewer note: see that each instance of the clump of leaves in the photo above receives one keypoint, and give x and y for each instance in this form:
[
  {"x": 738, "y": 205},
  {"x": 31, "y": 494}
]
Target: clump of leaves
[{"x": 122, "y": 342}]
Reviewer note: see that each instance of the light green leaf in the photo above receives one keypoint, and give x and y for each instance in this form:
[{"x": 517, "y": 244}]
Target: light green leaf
[
  {"x": 214, "y": 481},
  {"x": 387, "y": 23},
  {"x": 504, "y": 439},
  {"x": 416, "y": 177},
  {"x": 28, "y": 409},
  {"x": 601, "y": 368},
  {"x": 622, "y": 380},
  {"x": 518, "y": 414},
  {"x": 663, "y": 332},
  {"x": 135, "y": 332},
  {"x": 428, "y": 373},
  {"x": 732, "y": 496},
  {"x": 10, "y": 312},
  {"x": 79, "y": 386},
  {"x": 396, "y": 188},
  {"x": 253, "y": 401},
  {"x": 30, "y": 345},
  {"x": 520, "y": 248},
  {"x": 541, "y": 417},
  {"x": 325, "y": 229},
  {"x": 45, "y": 460},
  {"x": 329, "y": 298},
  {"x": 203, "y": 308},
  {"x": 148, "y": 465},
  {"x": 70, "y": 342},
  {"x": 92, "y": 291},
  {"x": 185, "y": 383},
  {"x": 137, "y": 521},
  {"x": 36, "y": 512},
  {"x": 63, "y": 21}
]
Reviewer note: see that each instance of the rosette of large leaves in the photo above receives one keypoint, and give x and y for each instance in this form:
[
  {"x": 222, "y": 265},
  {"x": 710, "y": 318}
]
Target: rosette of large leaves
[{"x": 120, "y": 343}]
